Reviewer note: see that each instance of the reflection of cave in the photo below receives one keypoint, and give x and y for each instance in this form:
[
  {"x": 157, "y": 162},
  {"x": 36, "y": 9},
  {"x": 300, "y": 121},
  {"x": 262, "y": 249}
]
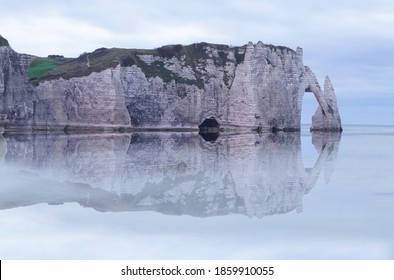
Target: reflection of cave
[
  {"x": 209, "y": 137},
  {"x": 209, "y": 126},
  {"x": 249, "y": 174}
]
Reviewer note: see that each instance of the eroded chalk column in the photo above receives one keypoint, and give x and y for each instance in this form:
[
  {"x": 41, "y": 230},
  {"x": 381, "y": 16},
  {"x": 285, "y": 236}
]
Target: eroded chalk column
[{"x": 329, "y": 118}]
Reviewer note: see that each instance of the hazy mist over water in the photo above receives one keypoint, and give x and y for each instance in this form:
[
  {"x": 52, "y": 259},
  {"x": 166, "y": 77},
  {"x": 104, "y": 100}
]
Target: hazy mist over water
[{"x": 177, "y": 196}]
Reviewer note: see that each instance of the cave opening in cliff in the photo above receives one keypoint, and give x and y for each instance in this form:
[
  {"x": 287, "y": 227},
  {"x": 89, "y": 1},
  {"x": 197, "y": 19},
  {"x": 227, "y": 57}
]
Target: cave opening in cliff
[
  {"x": 209, "y": 125},
  {"x": 209, "y": 129}
]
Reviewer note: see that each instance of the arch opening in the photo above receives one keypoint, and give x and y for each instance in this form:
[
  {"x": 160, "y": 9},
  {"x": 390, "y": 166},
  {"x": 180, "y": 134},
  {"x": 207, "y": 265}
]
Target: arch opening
[{"x": 309, "y": 107}]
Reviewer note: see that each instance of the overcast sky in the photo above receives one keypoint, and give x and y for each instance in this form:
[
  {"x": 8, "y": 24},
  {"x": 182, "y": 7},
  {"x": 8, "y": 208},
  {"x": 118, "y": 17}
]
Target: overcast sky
[{"x": 351, "y": 41}]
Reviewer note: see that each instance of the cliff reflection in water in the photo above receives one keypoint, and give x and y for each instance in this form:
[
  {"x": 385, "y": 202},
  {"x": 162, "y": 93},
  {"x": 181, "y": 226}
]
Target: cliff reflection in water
[{"x": 251, "y": 174}]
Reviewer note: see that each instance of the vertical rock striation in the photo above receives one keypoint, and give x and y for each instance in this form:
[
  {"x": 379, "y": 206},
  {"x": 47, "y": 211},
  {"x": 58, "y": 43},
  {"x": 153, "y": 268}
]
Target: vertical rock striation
[
  {"x": 255, "y": 86},
  {"x": 326, "y": 117},
  {"x": 95, "y": 100},
  {"x": 15, "y": 89}
]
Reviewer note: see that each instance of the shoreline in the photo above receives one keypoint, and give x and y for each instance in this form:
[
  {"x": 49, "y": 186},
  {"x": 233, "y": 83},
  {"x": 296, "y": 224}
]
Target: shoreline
[{"x": 105, "y": 129}]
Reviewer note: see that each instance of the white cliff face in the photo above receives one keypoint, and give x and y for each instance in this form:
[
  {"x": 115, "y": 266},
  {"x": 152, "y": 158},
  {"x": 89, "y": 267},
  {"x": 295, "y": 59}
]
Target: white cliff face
[
  {"x": 254, "y": 86},
  {"x": 265, "y": 89},
  {"x": 15, "y": 91},
  {"x": 93, "y": 100},
  {"x": 260, "y": 90}
]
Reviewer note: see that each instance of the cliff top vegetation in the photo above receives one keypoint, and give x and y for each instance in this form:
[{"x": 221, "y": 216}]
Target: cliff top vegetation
[
  {"x": 55, "y": 66},
  {"x": 3, "y": 41}
]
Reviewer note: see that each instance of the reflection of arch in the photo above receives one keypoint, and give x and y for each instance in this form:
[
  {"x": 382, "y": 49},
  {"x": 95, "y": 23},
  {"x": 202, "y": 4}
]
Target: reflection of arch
[
  {"x": 327, "y": 145},
  {"x": 251, "y": 174}
]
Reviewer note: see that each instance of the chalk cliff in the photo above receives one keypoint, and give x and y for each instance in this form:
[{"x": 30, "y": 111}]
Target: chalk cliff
[
  {"x": 15, "y": 89},
  {"x": 252, "y": 86}
]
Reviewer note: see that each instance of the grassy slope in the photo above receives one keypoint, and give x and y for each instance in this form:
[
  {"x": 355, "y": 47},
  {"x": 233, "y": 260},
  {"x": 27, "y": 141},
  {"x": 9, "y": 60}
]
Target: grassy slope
[
  {"x": 101, "y": 59},
  {"x": 40, "y": 66}
]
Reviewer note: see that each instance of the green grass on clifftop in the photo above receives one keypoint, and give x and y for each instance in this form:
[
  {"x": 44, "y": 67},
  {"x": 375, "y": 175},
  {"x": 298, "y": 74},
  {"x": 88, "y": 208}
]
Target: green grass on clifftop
[
  {"x": 40, "y": 66},
  {"x": 87, "y": 63},
  {"x": 195, "y": 54}
]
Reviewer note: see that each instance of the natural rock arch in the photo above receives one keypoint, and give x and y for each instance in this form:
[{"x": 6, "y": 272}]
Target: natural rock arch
[
  {"x": 326, "y": 117},
  {"x": 255, "y": 86}
]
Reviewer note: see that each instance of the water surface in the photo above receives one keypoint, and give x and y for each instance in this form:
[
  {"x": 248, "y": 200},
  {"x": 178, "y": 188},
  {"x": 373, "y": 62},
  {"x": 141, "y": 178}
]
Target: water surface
[{"x": 177, "y": 196}]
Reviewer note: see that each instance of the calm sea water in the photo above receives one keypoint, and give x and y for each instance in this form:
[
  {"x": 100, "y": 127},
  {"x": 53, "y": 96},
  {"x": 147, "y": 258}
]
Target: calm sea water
[{"x": 177, "y": 196}]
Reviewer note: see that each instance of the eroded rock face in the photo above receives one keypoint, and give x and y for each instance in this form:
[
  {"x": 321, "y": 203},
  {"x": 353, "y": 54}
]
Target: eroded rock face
[
  {"x": 97, "y": 99},
  {"x": 15, "y": 89},
  {"x": 253, "y": 86},
  {"x": 327, "y": 115}
]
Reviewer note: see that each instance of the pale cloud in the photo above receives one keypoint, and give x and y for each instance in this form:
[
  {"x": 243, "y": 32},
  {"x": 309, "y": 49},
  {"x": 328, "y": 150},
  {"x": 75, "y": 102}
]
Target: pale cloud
[
  {"x": 91, "y": 24},
  {"x": 53, "y": 33},
  {"x": 184, "y": 34},
  {"x": 349, "y": 40},
  {"x": 61, "y": 29}
]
